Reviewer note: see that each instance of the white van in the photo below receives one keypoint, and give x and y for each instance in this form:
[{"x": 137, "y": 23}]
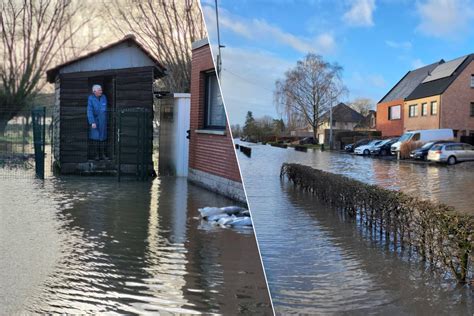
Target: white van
[{"x": 425, "y": 135}]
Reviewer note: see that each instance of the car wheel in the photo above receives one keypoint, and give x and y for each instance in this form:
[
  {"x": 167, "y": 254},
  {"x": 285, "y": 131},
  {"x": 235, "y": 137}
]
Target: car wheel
[
  {"x": 366, "y": 152},
  {"x": 451, "y": 160},
  {"x": 383, "y": 152}
]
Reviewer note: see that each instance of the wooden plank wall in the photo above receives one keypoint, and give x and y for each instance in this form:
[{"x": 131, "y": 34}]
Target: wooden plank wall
[{"x": 134, "y": 88}]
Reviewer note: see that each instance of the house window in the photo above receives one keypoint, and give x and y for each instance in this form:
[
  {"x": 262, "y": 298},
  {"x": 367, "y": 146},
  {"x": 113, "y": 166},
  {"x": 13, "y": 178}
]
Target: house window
[
  {"x": 413, "y": 110},
  {"x": 472, "y": 108},
  {"x": 214, "y": 106},
  {"x": 394, "y": 112},
  {"x": 472, "y": 81},
  {"x": 434, "y": 108},
  {"x": 424, "y": 109}
]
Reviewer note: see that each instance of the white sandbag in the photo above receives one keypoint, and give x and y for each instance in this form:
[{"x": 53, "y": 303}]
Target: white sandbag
[
  {"x": 209, "y": 211},
  {"x": 241, "y": 221}
]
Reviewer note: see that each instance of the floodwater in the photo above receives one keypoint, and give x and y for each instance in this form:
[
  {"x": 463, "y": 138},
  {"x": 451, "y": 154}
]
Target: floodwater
[
  {"x": 319, "y": 262},
  {"x": 92, "y": 245}
]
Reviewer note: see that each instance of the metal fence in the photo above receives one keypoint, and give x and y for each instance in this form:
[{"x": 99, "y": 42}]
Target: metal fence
[
  {"x": 40, "y": 143},
  {"x": 113, "y": 142},
  {"x": 23, "y": 141}
]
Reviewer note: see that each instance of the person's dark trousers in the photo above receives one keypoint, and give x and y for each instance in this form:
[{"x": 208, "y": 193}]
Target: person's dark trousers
[
  {"x": 99, "y": 149},
  {"x": 103, "y": 150}
]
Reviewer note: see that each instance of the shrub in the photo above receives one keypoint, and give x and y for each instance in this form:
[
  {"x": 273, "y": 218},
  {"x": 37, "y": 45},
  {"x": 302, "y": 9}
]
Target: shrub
[
  {"x": 440, "y": 236},
  {"x": 407, "y": 147}
]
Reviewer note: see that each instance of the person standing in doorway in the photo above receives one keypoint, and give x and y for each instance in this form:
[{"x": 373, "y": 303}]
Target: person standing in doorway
[{"x": 97, "y": 117}]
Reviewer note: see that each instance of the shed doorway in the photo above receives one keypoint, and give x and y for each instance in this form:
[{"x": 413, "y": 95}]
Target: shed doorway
[{"x": 108, "y": 84}]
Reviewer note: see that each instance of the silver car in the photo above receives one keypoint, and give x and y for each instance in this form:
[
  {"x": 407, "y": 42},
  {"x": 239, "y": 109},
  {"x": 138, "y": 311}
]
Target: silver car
[{"x": 451, "y": 153}]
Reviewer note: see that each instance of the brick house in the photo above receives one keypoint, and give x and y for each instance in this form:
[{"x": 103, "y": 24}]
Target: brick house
[
  {"x": 390, "y": 109},
  {"x": 444, "y": 99},
  {"x": 212, "y": 160}
]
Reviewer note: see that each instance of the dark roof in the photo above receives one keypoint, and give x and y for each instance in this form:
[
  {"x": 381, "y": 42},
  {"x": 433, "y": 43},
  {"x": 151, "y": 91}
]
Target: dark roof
[
  {"x": 343, "y": 113},
  {"x": 409, "y": 82},
  {"x": 366, "y": 122},
  {"x": 51, "y": 73},
  {"x": 438, "y": 86}
]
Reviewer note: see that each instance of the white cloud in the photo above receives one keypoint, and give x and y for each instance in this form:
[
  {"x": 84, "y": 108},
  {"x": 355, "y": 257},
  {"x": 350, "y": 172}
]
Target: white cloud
[
  {"x": 403, "y": 45},
  {"x": 261, "y": 30},
  {"x": 417, "y": 63},
  {"x": 360, "y": 13},
  {"x": 444, "y": 18},
  {"x": 248, "y": 86}
]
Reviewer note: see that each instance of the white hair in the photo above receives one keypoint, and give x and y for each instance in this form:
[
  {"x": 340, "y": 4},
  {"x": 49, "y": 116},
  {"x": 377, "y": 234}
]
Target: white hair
[{"x": 96, "y": 87}]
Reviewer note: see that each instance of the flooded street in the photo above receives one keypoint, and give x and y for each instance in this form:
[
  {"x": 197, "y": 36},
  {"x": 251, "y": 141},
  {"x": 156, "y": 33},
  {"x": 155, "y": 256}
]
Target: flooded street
[
  {"x": 92, "y": 245},
  {"x": 319, "y": 262}
]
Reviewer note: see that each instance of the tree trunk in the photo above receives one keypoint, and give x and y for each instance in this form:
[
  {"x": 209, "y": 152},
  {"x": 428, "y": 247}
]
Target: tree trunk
[{"x": 3, "y": 125}]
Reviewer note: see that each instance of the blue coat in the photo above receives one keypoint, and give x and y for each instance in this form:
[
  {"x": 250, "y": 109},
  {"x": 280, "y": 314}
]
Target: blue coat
[{"x": 97, "y": 113}]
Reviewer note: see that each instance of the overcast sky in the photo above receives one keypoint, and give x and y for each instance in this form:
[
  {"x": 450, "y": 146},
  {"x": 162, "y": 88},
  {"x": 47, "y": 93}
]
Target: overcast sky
[{"x": 376, "y": 42}]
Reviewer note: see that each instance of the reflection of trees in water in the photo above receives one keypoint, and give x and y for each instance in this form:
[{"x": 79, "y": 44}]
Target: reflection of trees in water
[{"x": 132, "y": 246}]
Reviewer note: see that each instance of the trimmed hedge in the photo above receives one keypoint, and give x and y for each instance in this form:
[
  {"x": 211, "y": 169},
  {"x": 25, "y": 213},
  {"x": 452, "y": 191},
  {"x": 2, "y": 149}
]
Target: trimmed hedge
[{"x": 442, "y": 238}]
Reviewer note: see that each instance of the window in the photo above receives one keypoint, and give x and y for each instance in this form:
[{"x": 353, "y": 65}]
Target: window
[
  {"x": 472, "y": 108},
  {"x": 472, "y": 81},
  {"x": 434, "y": 108},
  {"x": 394, "y": 112},
  {"x": 214, "y": 106},
  {"x": 416, "y": 137},
  {"x": 424, "y": 109},
  {"x": 413, "y": 110}
]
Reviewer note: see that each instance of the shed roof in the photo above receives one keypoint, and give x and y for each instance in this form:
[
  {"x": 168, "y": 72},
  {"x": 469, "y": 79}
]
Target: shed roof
[
  {"x": 442, "y": 78},
  {"x": 127, "y": 41},
  {"x": 409, "y": 82},
  {"x": 344, "y": 113}
]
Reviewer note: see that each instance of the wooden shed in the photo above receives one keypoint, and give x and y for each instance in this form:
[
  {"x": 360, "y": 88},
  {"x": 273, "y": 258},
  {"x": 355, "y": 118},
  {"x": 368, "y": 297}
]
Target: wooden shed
[{"x": 126, "y": 71}]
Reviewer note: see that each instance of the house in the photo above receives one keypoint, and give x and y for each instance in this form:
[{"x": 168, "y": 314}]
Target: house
[
  {"x": 212, "y": 159},
  {"x": 343, "y": 118},
  {"x": 444, "y": 99},
  {"x": 368, "y": 123},
  {"x": 390, "y": 109},
  {"x": 126, "y": 71}
]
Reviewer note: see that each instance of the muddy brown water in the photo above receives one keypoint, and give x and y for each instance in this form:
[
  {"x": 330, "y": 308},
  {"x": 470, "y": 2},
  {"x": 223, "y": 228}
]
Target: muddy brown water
[
  {"x": 93, "y": 245},
  {"x": 319, "y": 262}
]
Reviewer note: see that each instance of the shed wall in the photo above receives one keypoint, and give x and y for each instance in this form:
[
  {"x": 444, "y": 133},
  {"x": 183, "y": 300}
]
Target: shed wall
[{"x": 133, "y": 88}]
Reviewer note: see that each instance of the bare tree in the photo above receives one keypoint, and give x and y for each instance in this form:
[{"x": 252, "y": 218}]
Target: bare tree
[
  {"x": 362, "y": 105},
  {"x": 167, "y": 28},
  {"x": 309, "y": 90},
  {"x": 33, "y": 34}
]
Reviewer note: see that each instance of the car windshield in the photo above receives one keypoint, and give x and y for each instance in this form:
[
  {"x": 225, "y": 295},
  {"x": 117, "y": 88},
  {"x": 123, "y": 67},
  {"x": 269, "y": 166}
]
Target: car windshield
[
  {"x": 405, "y": 137},
  {"x": 384, "y": 142},
  {"x": 436, "y": 147},
  {"x": 427, "y": 145}
]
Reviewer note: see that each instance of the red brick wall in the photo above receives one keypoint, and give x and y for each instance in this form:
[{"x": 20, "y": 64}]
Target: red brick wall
[
  {"x": 456, "y": 101},
  {"x": 386, "y": 126},
  {"x": 208, "y": 153}
]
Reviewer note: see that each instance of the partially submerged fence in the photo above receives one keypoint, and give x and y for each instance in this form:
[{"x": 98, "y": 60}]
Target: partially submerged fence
[
  {"x": 23, "y": 140},
  {"x": 441, "y": 237}
]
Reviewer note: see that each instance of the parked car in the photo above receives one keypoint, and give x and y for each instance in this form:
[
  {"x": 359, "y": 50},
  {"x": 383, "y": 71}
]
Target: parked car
[
  {"x": 426, "y": 135},
  {"x": 451, "y": 153},
  {"x": 350, "y": 148},
  {"x": 308, "y": 140},
  {"x": 365, "y": 149},
  {"x": 422, "y": 152},
  {"x": 383, "y": 148}
]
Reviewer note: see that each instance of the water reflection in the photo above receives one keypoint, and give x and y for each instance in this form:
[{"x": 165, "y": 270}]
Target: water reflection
[
  {"x": 320, "y": 262},
  {"x": 135, "y": 247}
]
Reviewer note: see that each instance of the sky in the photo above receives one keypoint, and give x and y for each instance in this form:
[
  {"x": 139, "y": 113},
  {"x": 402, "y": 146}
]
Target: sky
[{"x": 375, "y": 41}]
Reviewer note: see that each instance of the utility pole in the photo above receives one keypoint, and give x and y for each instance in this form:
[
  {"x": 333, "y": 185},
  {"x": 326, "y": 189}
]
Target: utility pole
[
  {"x": 218, "y": 61},
  {"x": 330, "y": 121}
]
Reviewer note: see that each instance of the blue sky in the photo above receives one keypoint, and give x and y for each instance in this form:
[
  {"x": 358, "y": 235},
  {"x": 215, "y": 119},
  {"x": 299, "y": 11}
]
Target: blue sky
[{"x": 376, "y": 42}]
